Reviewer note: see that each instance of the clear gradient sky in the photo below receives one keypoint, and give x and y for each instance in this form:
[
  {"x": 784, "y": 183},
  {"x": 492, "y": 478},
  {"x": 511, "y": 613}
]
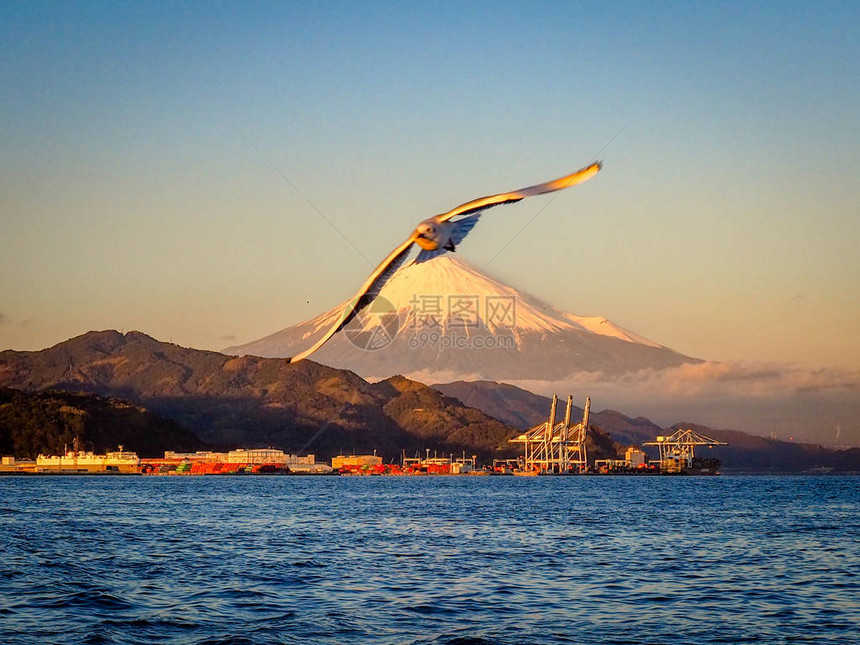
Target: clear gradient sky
[{"x": 147, "y": 152}]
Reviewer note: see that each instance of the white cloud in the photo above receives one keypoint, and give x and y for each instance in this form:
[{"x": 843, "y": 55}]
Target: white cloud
[{"x": 759, "y": 398}]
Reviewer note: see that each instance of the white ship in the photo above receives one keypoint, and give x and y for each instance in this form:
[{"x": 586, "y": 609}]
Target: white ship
[{"x": 76, "y": 461}]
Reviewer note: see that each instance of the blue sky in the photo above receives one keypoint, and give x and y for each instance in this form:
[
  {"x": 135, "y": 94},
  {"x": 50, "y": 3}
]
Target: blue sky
[{"x": 144, "y": 149}]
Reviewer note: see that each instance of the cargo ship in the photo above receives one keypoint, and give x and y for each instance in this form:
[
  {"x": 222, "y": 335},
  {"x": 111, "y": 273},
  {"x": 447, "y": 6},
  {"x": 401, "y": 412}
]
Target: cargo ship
[{"x": 77, "y": 462}]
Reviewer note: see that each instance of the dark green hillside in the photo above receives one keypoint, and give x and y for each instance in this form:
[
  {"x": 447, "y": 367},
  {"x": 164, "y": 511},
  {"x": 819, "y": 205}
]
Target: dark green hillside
[{"x": 46, "y": 422}]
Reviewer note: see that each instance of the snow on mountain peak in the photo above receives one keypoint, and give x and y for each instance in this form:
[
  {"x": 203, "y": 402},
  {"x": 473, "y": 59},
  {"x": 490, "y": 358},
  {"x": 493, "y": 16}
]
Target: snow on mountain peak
[
  {"x": 444, "y": 317},
  {"x": 445, "y": 293},
  {"x": 454, "y": 292}
]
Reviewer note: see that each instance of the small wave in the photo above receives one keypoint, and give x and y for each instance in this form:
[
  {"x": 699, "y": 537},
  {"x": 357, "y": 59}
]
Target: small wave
[
  {"x": 315, "y": 564},
  {"x": 83, "y": 600},
  {"x": 225, "y": 639}
]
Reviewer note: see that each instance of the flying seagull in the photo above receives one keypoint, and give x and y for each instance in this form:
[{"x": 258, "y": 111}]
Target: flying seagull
[{"x": 438, "y": 235}]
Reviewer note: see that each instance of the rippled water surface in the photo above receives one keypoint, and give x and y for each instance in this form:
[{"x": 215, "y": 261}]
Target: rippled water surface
[{"x": 429, "y": 560}]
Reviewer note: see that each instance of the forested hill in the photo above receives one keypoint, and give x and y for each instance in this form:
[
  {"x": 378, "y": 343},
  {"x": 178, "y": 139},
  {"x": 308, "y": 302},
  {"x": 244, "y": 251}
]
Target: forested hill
[{"x": 46, "y": 422}]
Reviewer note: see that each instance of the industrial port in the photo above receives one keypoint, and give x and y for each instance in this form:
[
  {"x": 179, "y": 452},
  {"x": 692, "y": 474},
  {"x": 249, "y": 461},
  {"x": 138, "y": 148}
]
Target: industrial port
[{"x": 550, "y": 448}]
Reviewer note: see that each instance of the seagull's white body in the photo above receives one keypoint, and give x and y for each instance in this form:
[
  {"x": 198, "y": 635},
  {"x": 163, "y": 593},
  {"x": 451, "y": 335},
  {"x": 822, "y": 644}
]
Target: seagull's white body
[
  {"x": 436, "y": 236},
  {"x": 430, "y": 234}
]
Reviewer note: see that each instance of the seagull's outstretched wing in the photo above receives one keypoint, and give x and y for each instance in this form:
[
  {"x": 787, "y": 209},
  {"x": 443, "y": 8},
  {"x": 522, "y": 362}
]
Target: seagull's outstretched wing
[
  {"x": 470, "y": 212},
  {"x": 483, "y": 203},
  {"x": 369, "y": 290}
]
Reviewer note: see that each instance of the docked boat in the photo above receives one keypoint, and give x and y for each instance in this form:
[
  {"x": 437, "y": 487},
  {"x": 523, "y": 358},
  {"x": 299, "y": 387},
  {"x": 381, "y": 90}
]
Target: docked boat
[{"x": 83, "y": 462}]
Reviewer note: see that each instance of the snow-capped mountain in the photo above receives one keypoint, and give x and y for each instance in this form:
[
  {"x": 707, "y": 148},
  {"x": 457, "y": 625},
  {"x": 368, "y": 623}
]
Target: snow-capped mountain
[{"x": 444, "y": 319}]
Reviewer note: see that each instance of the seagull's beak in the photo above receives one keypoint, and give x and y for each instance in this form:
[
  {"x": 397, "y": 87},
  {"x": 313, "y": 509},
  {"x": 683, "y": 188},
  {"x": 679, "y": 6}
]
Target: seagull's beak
[{"x": 425, "y": 243}]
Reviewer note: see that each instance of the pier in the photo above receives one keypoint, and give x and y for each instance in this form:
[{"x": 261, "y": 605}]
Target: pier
[
  {"x": 556, "y": 448},
  {"x": 677, "y": 453}
]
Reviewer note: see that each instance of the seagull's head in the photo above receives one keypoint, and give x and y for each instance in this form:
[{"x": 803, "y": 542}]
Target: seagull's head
[{"x": 428, "y": 234}]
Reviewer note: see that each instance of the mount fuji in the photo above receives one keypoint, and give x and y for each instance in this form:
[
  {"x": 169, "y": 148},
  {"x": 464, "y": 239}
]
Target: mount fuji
[{"x": 444, "y": 320}]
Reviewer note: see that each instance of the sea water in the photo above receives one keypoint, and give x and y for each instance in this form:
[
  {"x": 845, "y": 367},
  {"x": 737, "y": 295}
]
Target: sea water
[{"x": 197, "y": 560}]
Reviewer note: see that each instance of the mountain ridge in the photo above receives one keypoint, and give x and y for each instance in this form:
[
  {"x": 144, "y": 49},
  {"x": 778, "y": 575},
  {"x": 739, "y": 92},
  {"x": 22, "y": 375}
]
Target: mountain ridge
[
  {"x": 232, "y": 401},
  {"x": 253, "y": 401}
]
